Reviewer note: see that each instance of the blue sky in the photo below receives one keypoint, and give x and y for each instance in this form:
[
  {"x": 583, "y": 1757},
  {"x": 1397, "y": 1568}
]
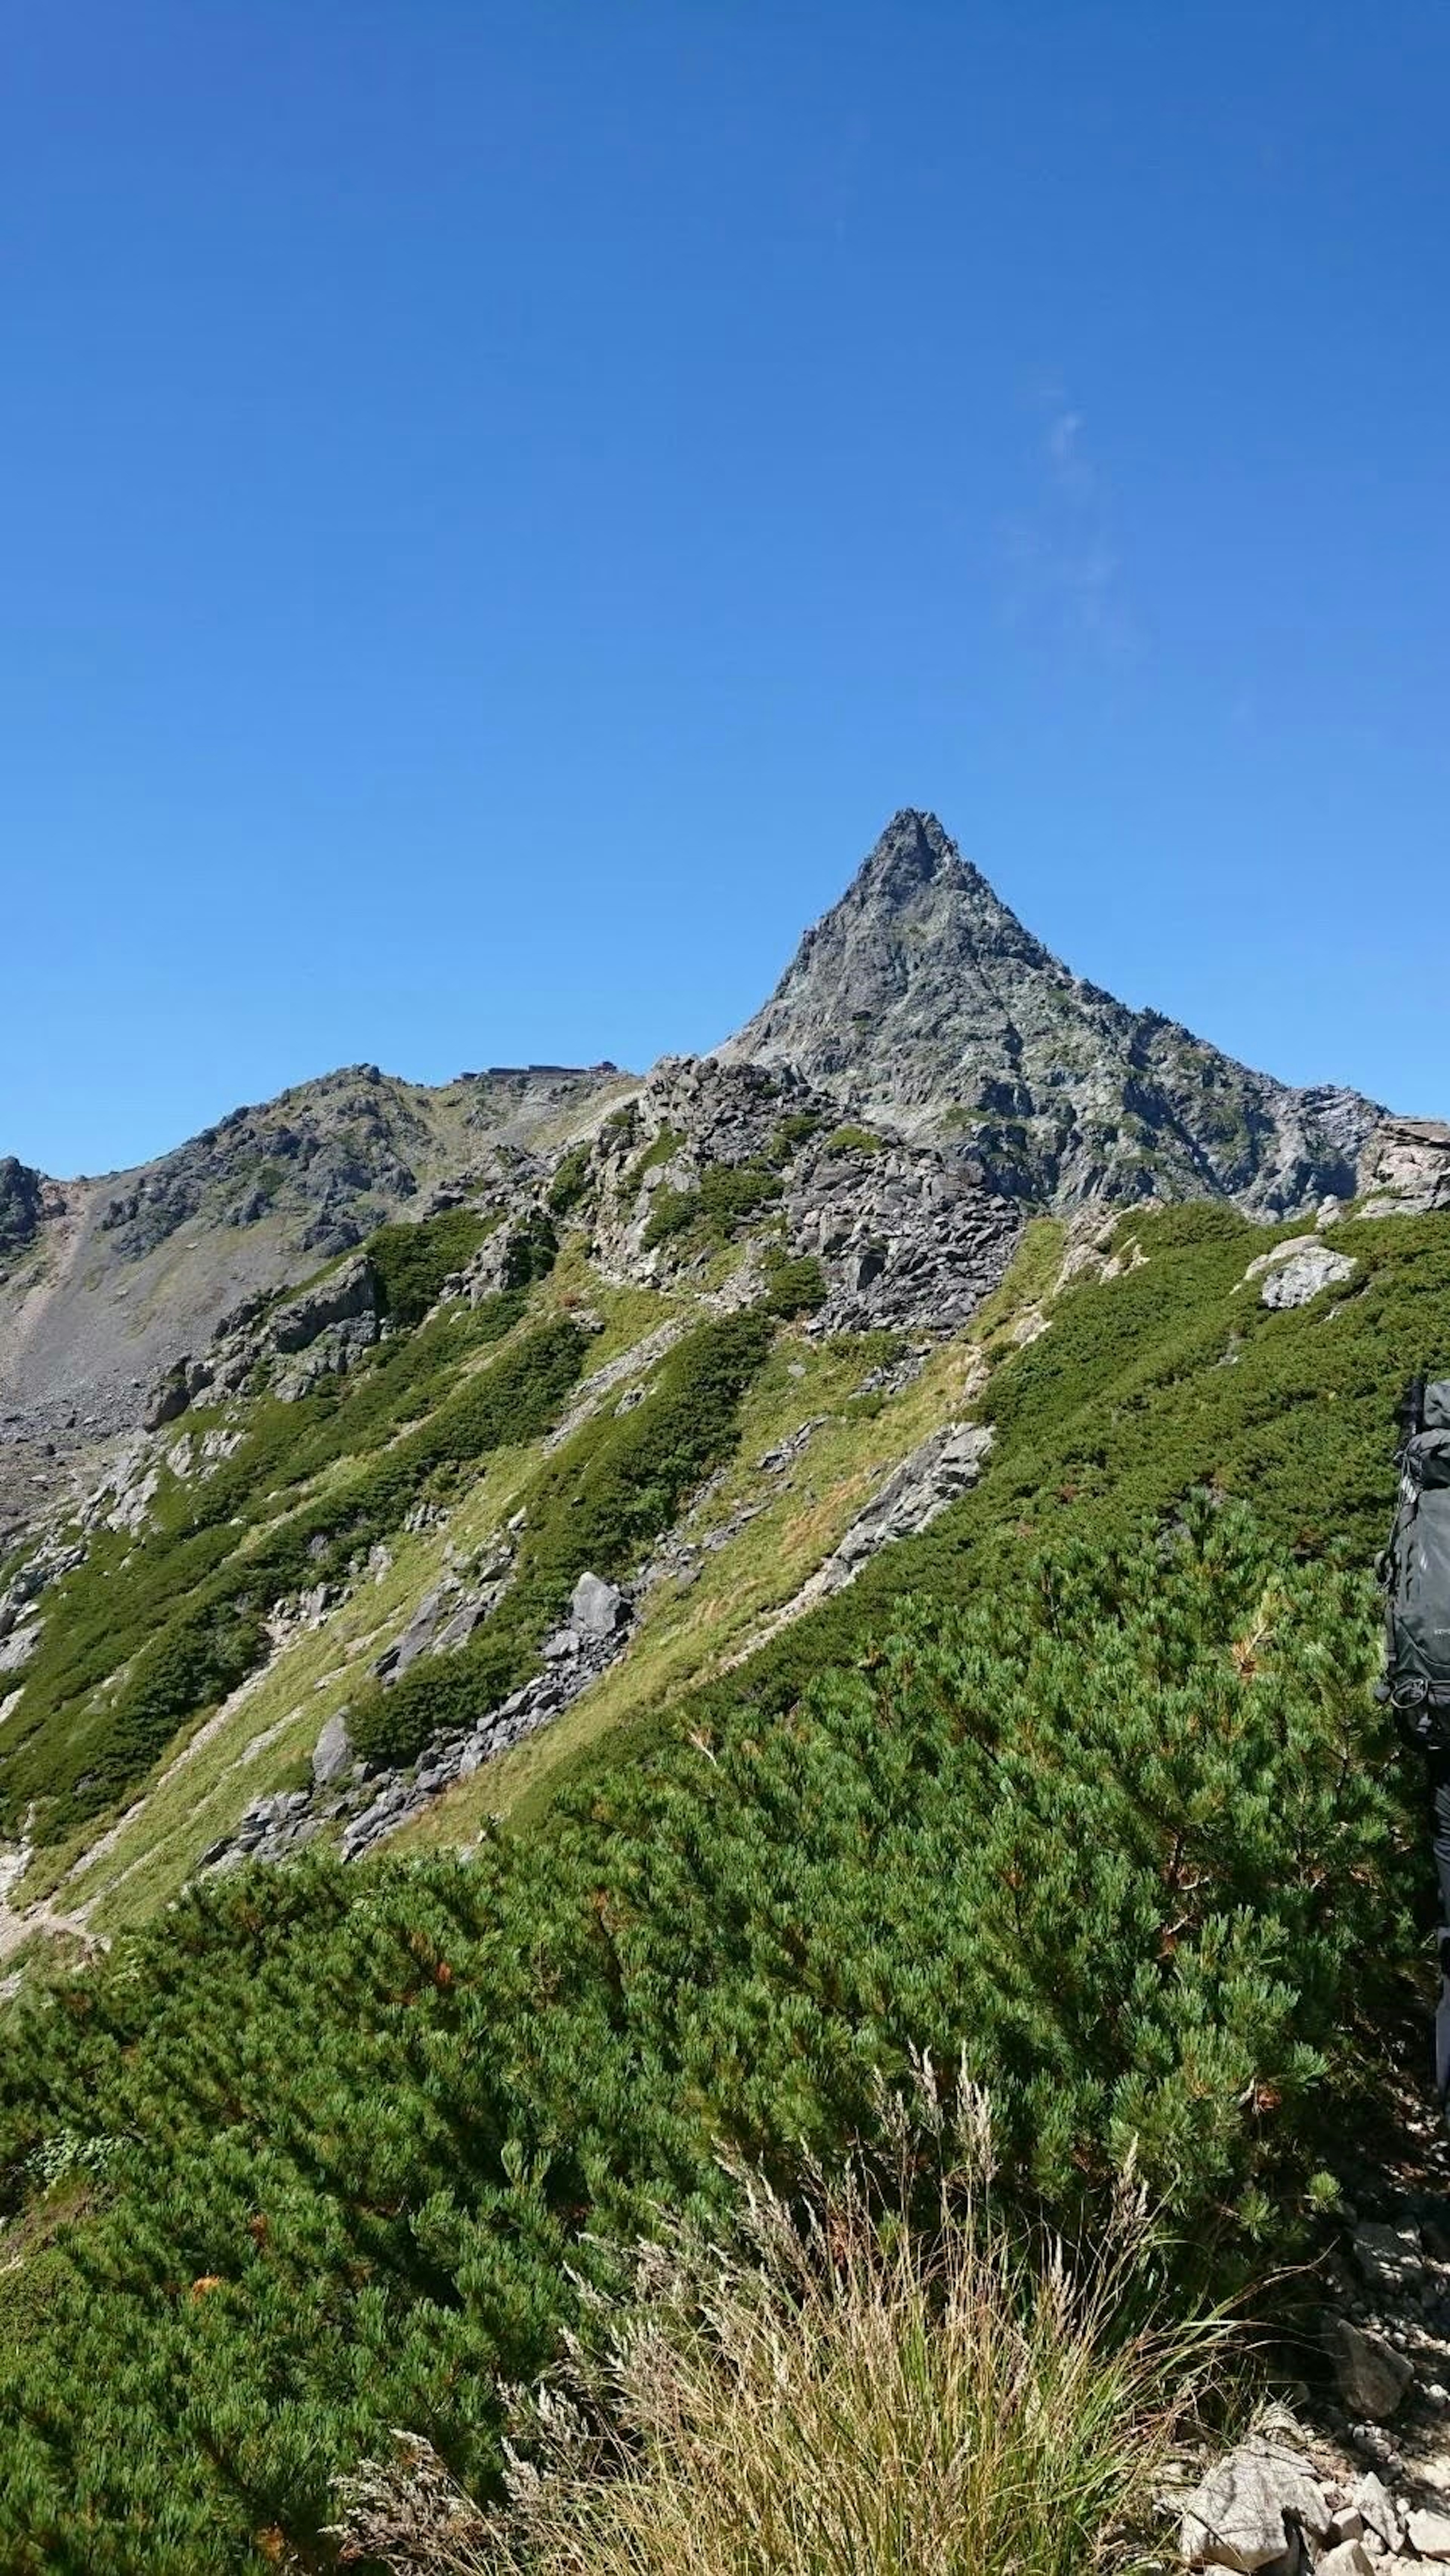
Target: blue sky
[{"x": 500, "y": 502}]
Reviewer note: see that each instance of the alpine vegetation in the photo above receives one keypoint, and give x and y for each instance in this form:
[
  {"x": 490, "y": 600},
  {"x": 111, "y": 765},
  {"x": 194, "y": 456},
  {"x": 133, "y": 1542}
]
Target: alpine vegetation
[{"x": 629, "y": 1619}]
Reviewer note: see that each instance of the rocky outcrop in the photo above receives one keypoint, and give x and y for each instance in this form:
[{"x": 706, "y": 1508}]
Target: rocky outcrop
[
  {"x": 907, "y": 1234},
  {"x": 1405, "y": 1170},
  {"x": 348, "y": 1296},
  {"x": 1294, "y": 1272},
  {"x": 364, "y": 1803},
  {"x": 318, "y": 1333},
  {"x": 921, "y": 998},
  {"x": 943, "y": 1467},
  {"x": 936, "y": 1473},
  {"x": 23, "y": 1206}
]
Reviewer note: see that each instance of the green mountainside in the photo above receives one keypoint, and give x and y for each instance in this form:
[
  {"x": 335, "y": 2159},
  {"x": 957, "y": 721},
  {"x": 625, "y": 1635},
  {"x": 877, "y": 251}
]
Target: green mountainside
[
  {"x": 604, "y": 1662},
  {"x": 1087, "y": 1779}
]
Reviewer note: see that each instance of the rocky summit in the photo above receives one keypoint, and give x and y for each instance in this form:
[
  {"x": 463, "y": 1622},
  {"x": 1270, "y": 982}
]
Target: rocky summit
[{"x": 921, "y": 998}]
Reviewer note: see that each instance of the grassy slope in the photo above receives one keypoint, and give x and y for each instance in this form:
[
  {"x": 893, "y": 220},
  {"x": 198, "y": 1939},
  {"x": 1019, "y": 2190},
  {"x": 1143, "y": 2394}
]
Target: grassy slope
[
  {"x": 210, "y": 1773},
  {"x": 117, "y": 1868}
]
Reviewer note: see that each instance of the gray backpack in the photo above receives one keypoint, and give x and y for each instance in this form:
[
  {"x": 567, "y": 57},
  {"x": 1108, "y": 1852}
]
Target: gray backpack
[{"x": 1415, "y": 1570}]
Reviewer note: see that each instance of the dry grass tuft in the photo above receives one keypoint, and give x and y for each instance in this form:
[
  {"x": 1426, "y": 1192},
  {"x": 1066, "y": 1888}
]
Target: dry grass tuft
[{"x": 839, "y": 2388}]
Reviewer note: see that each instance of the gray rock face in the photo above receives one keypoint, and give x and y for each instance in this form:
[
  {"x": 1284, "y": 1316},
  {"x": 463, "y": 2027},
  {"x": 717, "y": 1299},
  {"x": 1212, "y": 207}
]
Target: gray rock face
[
  {"x": 921, "y": 997},
  {"x": 443, "y": 1620},
  {"x": 943, "y": 1467},
  {"x": 1406, "y": 1168},
  {"x": 350, "y": 1293},
  {"x": 1295, "y": 1281}
]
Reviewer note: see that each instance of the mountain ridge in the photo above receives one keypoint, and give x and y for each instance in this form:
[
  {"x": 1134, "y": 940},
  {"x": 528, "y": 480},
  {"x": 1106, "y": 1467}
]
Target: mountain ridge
[{"x": 919, "y": 1002}]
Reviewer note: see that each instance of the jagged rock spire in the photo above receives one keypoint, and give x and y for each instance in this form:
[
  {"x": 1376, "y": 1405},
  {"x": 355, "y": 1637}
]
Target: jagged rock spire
[{"x": 921, "y": 998}]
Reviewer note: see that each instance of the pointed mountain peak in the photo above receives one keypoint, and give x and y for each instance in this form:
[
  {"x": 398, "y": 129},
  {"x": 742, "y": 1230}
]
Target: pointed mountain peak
[
  {"x": 914, "y": 854},
  {"x": 920, "y": 997},
  {"x": 912, "y": 850}
]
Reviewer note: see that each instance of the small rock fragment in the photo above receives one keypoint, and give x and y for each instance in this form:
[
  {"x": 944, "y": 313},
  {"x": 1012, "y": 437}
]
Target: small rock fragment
[
  {"x": 1389, "y": 2257},
  {"x": 1373, "y": 2501},
  {"x": 1350, "y": 2558}
]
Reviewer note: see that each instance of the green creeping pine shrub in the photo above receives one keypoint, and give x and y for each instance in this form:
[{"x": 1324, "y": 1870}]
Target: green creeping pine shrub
[
  {"x": 570, "y": 1183},
  {"x": 1131, "y": 1834},
  {"x": 411, "y": 1262},
  {"x": 600, "y": 1504},
  {"x": 792, "y": 1133},
  {"x": 74, "y": 1758},
  {"x": 665, "y": 1146},
  {"x": 727, "y": 1192},
  {"x": 796, "y": 1287},
  {"x": 854, "y": 1140}
]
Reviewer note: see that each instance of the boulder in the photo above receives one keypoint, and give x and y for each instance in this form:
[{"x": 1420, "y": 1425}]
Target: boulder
[
  {"x": 332, "y": 1754},
  {"x": 19, "y": 1646},
  {"x": 1239, "y": 2517},
  {"x": 1429, "y": 2535},
  {"x": 1294, "y": 1282},
  {"x": 417, "y": 1637},
  {"x": 1372, "y": 2376},
  {"x": 596, "y": 1608},
  {"x": 456, "y": 1631}
]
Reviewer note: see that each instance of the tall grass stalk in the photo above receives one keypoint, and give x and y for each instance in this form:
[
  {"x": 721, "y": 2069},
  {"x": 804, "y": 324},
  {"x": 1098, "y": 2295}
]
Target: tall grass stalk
[{"x": 839, "y": 2390}]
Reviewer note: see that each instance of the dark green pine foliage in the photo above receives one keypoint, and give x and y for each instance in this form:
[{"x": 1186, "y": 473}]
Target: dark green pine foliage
[
  {"x": 796, "y": 1287},
  {"x": 727, "y": 1194},
  {"x": 570, "y": 1184},
  {"x": 309, "y": 2157},
  {"x": 411, "y": 1262}
]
